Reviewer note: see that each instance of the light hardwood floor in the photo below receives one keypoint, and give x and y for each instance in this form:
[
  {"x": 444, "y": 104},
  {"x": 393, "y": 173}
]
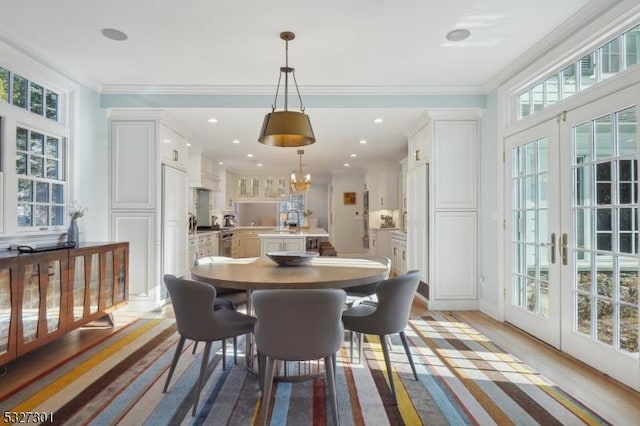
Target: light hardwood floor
[{"x": 617, "y": 403}]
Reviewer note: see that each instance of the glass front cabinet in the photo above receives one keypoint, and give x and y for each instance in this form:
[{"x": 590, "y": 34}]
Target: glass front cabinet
[{"x": 44, "y": 295}]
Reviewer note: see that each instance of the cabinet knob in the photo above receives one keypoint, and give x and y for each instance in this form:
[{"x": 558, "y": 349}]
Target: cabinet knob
[{"x": 175, "y": 155}]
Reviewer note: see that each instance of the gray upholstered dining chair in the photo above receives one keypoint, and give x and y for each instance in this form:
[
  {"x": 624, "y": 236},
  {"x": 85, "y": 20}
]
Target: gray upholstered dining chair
[
  {"x": 193, "y": 305},
  {"x": 235, "y": 296},
  {"x": 298, "y": 325},
  {"x": 367, "y": 292},
  {"x": 388, "y": 316}
]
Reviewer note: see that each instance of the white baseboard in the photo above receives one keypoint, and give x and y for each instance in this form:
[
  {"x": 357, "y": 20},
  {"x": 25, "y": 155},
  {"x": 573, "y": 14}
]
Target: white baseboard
[
  {"x": 453, "y": 305},
  {"x": 491, "y": 309}
]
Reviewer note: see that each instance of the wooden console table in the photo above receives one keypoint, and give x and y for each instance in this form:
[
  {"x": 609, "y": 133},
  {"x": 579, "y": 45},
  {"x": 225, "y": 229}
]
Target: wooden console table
[{"x": 47, "y": 294}]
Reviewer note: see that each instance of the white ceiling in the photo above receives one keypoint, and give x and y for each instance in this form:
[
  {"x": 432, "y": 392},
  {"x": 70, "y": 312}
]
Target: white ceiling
[{"x": 367, "y": 44}]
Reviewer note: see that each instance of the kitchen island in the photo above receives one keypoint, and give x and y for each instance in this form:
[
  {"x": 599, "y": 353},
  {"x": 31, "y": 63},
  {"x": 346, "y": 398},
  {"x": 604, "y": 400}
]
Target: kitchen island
[{"x": 284, "y": 240}]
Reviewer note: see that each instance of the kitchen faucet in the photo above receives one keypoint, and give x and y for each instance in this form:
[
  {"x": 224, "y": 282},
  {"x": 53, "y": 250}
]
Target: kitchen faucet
[{"x": 297, "y": 216}]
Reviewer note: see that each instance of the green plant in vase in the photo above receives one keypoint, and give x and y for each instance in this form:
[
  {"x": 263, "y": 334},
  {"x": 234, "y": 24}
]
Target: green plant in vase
[{"x": 306, "y": 214}]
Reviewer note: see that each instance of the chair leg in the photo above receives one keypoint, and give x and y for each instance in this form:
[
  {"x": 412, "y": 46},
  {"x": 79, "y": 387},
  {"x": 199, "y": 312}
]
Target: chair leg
[
  {"x": 176, "y": 356},
  {"x": 261, "y": 368},
  {"x": 235, "y": 350},
  {"x": 334, "y": 360},
  {"x": 360, "y": 349},
  {"x": 387, "y": 361},
  {"x": 406, "y": 349},
  {"x": 203, "y": 369},
  {"x": 195, "y": 346},
  {"x": 224, "y": 354},
  {"x": 331, "y": 382},
  {"x": 266, "y": 393},
  {"x": 350, "y": 346}
]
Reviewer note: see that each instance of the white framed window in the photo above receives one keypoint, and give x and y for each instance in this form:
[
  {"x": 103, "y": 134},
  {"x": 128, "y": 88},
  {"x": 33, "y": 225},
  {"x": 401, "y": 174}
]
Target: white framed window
[
  {"x": 591, "y": 69},
  {"x": 41, "y": 187},
  {"x": 28, "y": 95},
  {"x": 296, "y": 203},
  {"x": 34, "y": 149}
]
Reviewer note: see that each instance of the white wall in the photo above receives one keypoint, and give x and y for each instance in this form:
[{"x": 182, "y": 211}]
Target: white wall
[
  {"x": 90, "y": 168},
  {"x": 348, "y": 228},
  {"x": 490, "y": 237},
  {"x": 317, "y": 202}
]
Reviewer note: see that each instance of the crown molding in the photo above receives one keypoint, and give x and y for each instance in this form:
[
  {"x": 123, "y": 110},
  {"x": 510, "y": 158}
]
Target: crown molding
[
  {"x": 270, "y": 90},
  {"x": 134, "y": 114},
  {"x": 35, "y": 58}
]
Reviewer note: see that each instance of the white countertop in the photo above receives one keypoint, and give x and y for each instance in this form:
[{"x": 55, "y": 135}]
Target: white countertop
[
  {"x": 285, "y": 233},
  {"x": 257, "y": 228}
]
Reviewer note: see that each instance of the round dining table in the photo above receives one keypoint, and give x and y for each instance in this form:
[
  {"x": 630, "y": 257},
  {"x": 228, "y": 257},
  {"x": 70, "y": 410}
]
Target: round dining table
[
  {"x": 256, "y": 273},
  {"x": 259, "y": 273}
]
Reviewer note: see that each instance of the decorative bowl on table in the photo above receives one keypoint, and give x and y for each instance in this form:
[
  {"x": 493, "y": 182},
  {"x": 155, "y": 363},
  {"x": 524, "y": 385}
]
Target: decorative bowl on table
[{"x": 292, "y": 258}]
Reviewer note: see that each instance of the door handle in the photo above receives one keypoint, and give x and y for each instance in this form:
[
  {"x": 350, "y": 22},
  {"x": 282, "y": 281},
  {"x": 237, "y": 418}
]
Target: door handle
[
  {"x": 564, "y": 248},
  {"x": 553, "y": 247}
]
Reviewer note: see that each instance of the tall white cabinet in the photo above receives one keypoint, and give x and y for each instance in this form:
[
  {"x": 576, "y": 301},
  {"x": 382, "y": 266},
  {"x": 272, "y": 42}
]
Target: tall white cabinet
[
  {"x": 442, "y": 210},
  {"x": 148, "y": 201}
]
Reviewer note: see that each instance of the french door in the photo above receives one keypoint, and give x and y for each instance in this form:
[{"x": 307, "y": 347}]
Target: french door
[
  {"x": 573, "y": 234},
  {"x": 533, "y": 293}
]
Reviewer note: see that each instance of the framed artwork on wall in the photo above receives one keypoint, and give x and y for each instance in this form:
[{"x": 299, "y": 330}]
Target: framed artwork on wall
[{"x": 349, "y": 198}]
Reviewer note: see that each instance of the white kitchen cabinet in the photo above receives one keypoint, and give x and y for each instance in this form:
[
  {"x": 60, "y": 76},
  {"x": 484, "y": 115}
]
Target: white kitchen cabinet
[
  {"x": 192, "y": 249},
  {"x": 455, "y": 165},
  {"x": 224, "y": 198},
  {"x": 275, "y": 188},
  {"x": 380, "y": 242},
  {"x": 173, "y": 148},
  {"x": 142, "y": 211},
  {"x": 133, "y": 165},
  {"x": 398, "y": 253},
  {"x": 248, "y": 188},
  {"x": 203, "y": 172},
  {"x": 271, "y": 244},
  {"x": 382, "y": 183},
  {"x": 442, "y": 208},
  {"x": 420, "y": 146},
  {"x": 262, "y": 188}
]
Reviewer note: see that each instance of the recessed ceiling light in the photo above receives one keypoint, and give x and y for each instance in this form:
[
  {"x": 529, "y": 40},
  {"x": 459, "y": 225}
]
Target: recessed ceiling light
[
  {"x": 236, "y": 141},
  {"x": 220, "y": 163},
  {"x": 259, "y": 164},
  {"x": 353, "y": 155},
  {"x": 363, "y": 141},
  {"x": 212, "y": 120},
  {"x": 458, "y": 34},
  {"x": 378, "y": 120},
  {"x": 346, "y": 164},
  {"x": 188, "y": 144},
  {"x": 114, "y": 34},
  {"x": 250, "y": 155},
  {"x": 167, "y": 141}
]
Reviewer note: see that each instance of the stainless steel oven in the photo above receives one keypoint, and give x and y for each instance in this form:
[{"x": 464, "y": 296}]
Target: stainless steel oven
[{"x": 226, "y": 239}]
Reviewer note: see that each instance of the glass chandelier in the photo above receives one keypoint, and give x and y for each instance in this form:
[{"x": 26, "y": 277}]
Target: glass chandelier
[{"x": 299, "y": 181}]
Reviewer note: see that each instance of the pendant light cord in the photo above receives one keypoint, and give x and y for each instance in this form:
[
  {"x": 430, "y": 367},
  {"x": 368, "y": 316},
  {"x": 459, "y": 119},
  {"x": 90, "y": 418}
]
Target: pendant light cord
[{"x": 286, "y": 70}]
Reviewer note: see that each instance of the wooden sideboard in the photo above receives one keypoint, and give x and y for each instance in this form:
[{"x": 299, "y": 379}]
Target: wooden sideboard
[{"x": 47, "y": 294}]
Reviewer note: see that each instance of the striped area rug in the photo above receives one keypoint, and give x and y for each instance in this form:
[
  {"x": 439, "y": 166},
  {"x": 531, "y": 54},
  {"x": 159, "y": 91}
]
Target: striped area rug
[{"x": 463, "y": 379}]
